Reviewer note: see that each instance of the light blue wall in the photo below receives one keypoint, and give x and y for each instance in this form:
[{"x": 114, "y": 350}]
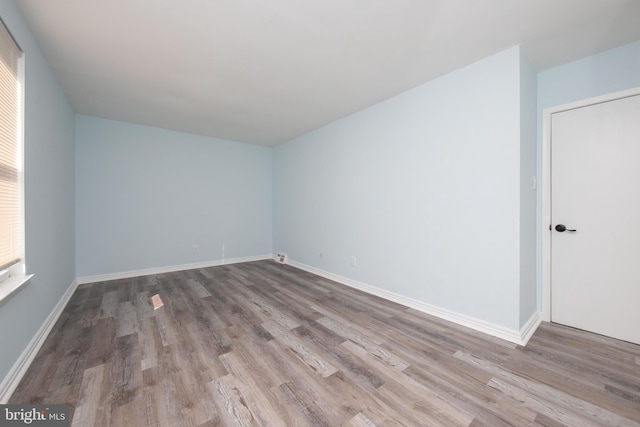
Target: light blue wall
[
  {"x": 607, "y": 72},
  {"x": 146, "y": 196},
  {"x": 423, "y": 189},
  {"x": 49, "y": 199},
  {"x": 528, "y": 209},
  {"x": 610, "y": 71}
]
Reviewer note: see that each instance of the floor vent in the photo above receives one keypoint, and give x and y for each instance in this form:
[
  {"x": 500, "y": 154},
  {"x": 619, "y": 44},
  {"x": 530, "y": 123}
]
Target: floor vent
[
  {"x": 281, "y": 258},
  {"x": 156, "y": 301}
]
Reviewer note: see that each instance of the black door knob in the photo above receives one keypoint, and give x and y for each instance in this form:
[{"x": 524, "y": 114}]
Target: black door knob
[{"x": 562, "y": 228}]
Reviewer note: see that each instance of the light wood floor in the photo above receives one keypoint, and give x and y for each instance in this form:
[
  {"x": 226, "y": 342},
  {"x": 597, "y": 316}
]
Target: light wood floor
[{"x": 260, "y": 344}]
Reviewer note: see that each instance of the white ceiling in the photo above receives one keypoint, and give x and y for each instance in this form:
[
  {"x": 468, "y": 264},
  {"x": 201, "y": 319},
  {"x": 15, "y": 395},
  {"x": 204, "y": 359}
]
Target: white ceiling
[{"x": 265, "y": 72}]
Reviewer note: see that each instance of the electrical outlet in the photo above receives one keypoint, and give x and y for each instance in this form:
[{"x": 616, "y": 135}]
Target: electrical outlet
[{"x": 354, "y": 261}]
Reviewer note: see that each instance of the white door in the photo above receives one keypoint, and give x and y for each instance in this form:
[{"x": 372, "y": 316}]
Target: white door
[{"x": 595, "y": 190}]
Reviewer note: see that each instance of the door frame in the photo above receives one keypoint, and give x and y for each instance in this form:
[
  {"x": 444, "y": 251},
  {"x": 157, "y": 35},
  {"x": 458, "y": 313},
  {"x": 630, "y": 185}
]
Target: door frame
[{"x": 546, "y": 185}]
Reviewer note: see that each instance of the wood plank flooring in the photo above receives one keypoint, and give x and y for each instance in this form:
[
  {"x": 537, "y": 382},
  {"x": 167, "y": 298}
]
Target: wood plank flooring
[{"x": 262, "y": 344}]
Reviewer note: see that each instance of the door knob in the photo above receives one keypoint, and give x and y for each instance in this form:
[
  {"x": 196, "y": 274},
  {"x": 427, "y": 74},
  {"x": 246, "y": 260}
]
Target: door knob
[{"x": 562, "y": 228}]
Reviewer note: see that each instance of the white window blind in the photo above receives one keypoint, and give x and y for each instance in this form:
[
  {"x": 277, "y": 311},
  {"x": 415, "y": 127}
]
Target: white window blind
[{"x": 11, "y": 218}]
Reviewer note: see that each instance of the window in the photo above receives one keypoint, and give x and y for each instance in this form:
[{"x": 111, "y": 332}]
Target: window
[{"x": 11, "y": 177}]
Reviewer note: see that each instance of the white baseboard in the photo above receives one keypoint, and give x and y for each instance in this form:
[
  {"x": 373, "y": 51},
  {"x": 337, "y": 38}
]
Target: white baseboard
[
  {"x": 518, "y": 337},
  {"x": 13, "y": 378},
  {"x": 527, "y": 331},
  {"x": 169, "y": 269}
]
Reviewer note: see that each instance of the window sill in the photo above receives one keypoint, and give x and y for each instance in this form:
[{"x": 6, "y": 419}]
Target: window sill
[{"x": 11, "y": 285}]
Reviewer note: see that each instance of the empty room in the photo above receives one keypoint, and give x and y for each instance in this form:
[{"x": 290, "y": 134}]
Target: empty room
[{"x": 359, "y": 213}]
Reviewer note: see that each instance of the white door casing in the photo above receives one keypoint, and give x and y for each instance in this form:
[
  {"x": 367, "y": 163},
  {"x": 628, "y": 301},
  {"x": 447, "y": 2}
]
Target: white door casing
[{"x": 597, "y": 170}]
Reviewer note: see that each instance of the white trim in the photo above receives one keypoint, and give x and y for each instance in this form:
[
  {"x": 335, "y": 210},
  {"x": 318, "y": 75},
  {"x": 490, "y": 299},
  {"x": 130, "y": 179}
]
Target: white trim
[
  {"x": 11, "y": 285},
  {"x": 169, "y": 269},
  {"x": 518, "y": 337},
  {"x": 19, "y": 368},
  {"x": 529, "y": 328},
  {"x": 545, "y": 239},
  {"x": 546, "y": 185}
]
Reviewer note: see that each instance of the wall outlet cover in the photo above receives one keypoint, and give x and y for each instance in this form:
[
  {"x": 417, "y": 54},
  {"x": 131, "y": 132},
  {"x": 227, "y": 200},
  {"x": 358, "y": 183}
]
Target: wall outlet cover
[{"x": 281, "y": 258}]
